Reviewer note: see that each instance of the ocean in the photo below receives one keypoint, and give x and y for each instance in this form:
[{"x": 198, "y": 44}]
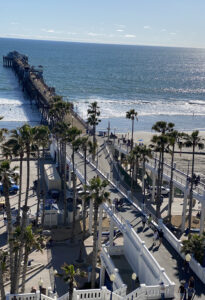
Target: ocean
[{"x": 160, "y": 83}]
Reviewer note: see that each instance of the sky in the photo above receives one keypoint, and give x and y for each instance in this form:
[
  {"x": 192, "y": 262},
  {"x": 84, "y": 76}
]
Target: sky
[{"x": 178, "y": 23}]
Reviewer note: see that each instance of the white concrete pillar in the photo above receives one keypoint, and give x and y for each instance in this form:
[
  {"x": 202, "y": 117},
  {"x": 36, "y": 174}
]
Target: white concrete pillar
[
  {"x": 102, "y": 275},
  {"x": 186, "y": 192},
  {"x": 100, "y": 226},
  {"x": 202, "y": 219},
  {"x": 153, "y": 186},
  {"x": 91, "y": 217}
]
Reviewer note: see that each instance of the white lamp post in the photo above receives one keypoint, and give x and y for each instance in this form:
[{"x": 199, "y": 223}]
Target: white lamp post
[
  {"x": 187, "y": 259},
  {"x": 112, "y": 279},
  {"x": 55, "y": 272},
  {"x": 134, "y": 277}
]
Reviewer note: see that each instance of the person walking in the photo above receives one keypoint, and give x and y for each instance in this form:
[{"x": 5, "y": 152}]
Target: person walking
[
  {"x": 161, "y": 235},
  {"x": 143, "y": 222},
  {"x": 155, "y": 237},
  {"x": 149, "y": 221},
  {"x": 181, "y": 290},
  {"x": 192, "y": 282},
  {"x": 190, "y": 293}
]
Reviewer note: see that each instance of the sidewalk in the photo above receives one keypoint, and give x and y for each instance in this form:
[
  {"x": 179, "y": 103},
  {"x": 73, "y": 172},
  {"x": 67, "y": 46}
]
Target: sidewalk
[{"x": 165, "y": 255}]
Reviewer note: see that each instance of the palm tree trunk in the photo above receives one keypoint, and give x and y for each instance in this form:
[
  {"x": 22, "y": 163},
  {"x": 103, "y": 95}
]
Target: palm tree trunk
[
  {"x": 20, "y": 189},
  {"x": 191, "y": 188},
  {"x": 84, "y": 218},
  {"x": 44, "y": 192},
  {"x": 10, "y": 233},
  {"x": 25, "y": 264},
  {"x": 3, "y": 296},
  {"x": 85, "y": 165},
  {"x": 132, "y": 134},
  {"x": 74, "y": 197},
  {"x": 38, "y": 188},
  {"x": 158, "y": 186},
  {"x": 71, "y": 290},
  {"x": 23, "y": 224},
  {"x": 95, "y": 246},
  {"x": 143, "y": 179},
  {"x": 94, "y": 141},
  {"x": 64, "y": 181},
  {"x": 171, "y": 186}
]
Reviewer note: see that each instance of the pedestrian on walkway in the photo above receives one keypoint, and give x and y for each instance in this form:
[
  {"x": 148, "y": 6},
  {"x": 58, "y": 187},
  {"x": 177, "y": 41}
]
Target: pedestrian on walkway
[
  {"x": 190, "y": 293},
  {"x": 149, "y": 221},
  {"x": 192, "y": 282},
  {"x": 155, "y": 237},
  {"x": 162, "y": 290},
  {"x": 182, "y": 290},
  {"x": 143, "y": 222},
  {"x": 161, "y": 235}
]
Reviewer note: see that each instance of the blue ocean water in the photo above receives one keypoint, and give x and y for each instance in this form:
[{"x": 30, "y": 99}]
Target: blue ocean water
[{"x": 160, "y": 83}]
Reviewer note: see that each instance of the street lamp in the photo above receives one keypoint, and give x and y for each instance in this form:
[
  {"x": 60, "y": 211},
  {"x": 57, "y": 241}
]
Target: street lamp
[
  {"x": 55, "y": 272},
  {"x": 187, "y": 259},
  {"x": 40, "y": 284},
  {"x": 112, "y": 279}
]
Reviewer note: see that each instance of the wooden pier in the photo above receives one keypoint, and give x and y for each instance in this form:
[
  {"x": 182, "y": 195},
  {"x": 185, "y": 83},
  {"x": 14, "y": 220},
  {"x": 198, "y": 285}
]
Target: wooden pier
[{"x": 32, "y": 82}]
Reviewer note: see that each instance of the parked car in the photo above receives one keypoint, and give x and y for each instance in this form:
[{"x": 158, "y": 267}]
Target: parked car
[{"x": 164, "y": 191}]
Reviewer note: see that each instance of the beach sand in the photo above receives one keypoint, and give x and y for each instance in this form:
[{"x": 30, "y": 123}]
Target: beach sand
[{"x": 183, "y": 161}]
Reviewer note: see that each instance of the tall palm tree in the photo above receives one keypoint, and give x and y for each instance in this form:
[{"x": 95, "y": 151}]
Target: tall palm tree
[
  {"x": 84, "y": 146},
  {"x": 33, "y": 241},
  {"x": 193, "y": 141},
  {"x": 58, "y": 110},
  {"x": 5, "y": 174},
  {"x": 69, "y": 276},
  {"x": 174, "y": 139},
  {"x": 99, "y": 195},
  {"x": 159, "y": 144},
  {"x": 16, "y": 145},
  {"x": 41, "y": 136},
  {"x": 93, "y": 119},
  {"x": 145, "y": 154},
  {"x": 132, "y": 115},
  {"x": 3, "y": 268}
]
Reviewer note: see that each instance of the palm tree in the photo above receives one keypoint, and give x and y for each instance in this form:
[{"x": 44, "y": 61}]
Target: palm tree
[
  {"x": 145, "y": 154},
  {"x": 172, "y": 142},
  {"x": 3, "y": 268},
  {"x": 195, "y": 246},
  {"x": 16, "y": 145},
  {"x": 84, "y": 146},
  {"x": 33, "y": 241},
  {"x": 41, "y": 141},
  {"x": 132, "y": 115},
  {"x": 85, "y": 199},
  {"x": 192, "y": 141},
  {"x": 58, "y": 110},
  {"x": 5, "y": 174},
  {"x": 93, "y": 119},
  {"x": 99, "y": 195},
  {"x": 159, "y": 143},
  {"x": 69, "y": 276}
]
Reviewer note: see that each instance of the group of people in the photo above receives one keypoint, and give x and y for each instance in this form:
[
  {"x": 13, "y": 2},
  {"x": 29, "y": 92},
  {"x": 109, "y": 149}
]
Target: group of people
[{"x": 187, "y": 289}]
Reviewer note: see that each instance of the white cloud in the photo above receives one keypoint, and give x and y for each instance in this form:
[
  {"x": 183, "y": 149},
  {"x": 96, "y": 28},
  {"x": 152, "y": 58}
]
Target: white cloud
[
  {"x": 120, "y": 30},
  {"x": 14, "y": 23},
  {"x": 95, "y": 34},
  {"x": 48, "y": 30},
  {"x": 71, "y": 33},
  {"x": 172, "y": 33},
  {"x": 147, "y": 27},
  {"x": 163, "y": 30},
  {"x": 130, "y": 36}
]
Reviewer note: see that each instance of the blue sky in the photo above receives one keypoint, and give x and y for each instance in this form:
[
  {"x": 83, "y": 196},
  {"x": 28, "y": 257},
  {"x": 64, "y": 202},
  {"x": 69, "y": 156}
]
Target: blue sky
[{"x": 137, "y": 22}]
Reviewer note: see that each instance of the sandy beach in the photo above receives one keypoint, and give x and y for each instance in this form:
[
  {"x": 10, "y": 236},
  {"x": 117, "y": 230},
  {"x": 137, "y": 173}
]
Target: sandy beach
[{"x": 183, "y": 161}]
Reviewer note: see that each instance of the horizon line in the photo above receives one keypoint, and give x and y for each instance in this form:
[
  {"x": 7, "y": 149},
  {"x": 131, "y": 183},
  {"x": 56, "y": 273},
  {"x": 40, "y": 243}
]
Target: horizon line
[{"x": 101, "y": 43}]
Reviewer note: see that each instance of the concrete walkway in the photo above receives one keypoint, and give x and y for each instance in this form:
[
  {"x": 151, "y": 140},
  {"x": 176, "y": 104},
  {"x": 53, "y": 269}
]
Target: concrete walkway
[{"x": 165, "y": 254}]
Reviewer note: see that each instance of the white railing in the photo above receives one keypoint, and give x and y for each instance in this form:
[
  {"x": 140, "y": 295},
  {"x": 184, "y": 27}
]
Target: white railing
[{"x": 110, "y": 268}]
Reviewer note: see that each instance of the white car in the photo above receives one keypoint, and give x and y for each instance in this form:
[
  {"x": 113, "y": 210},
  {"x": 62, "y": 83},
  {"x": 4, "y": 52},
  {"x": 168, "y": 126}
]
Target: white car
[{"x": 164, "y": 191}]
